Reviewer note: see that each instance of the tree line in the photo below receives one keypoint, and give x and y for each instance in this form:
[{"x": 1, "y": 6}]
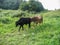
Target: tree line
[{"x": 31, "y": 5}]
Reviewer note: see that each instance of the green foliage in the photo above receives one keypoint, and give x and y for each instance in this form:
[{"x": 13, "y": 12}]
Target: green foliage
[
  {"x": 19, "y": 14},
  {"x": 9, "y": 4},
  {"x": 47, "y": 33},
  {"x": 32, "y": 6},
  {"x": 24, "y": 5}
]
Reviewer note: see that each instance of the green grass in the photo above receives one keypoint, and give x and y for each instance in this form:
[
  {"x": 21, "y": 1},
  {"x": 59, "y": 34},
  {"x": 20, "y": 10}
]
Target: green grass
[{"x": 47, "y": 33}]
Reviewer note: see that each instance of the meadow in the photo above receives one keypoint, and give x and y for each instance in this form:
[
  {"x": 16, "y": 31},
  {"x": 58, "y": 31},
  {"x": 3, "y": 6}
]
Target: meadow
[{"x": 47, "y": 33}]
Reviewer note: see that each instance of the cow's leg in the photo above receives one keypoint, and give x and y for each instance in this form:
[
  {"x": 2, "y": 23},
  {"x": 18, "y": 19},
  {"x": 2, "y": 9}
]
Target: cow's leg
[
  {"x": 22, "y": 27},
  {"x": 19, "y": 28},
  {"x": 29, "y": 25},
  {"x": 36, "y": 23}
]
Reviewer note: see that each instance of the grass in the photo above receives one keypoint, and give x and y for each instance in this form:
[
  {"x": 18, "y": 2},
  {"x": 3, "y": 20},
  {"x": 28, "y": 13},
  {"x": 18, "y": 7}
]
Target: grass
[{"x": 47, "y": 33}]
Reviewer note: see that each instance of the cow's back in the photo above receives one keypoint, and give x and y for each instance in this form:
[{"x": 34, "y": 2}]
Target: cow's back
[{"x": 25, "y": 20}]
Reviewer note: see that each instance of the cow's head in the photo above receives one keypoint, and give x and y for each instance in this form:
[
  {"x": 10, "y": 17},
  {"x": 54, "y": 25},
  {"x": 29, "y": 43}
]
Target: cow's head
[{"x": 17, "y": 23}]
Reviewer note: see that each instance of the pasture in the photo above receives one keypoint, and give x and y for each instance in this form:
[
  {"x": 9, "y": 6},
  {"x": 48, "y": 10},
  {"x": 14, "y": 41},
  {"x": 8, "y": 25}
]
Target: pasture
[{"x": 47, "y": 33}]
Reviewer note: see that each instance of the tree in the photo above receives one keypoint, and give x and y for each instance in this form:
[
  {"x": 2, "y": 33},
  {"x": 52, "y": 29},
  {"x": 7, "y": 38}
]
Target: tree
[
  {"x": 32, "y": 5},
  {"x": 9, "y": 4},
  {"x": 1, "y": 1}
]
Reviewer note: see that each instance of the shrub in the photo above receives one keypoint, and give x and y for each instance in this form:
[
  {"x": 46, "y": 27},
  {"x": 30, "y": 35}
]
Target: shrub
[{"x": 5, "y": 20}]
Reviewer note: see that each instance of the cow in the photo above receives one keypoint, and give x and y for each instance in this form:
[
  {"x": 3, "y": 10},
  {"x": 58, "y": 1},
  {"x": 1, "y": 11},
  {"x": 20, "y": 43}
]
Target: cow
[
  {"x": 23, "y": 21},
  {"x": 37, "y": 19}
]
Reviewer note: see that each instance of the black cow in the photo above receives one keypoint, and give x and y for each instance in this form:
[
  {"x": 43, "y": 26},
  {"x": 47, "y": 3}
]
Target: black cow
[{"x": 23, "y": 21}]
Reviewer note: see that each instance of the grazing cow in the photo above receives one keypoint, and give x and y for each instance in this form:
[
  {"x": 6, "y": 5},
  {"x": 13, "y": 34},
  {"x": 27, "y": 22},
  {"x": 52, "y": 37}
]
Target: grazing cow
[
  {"x": 37, "y": 19},
  {"x": 23, "y": 21}
]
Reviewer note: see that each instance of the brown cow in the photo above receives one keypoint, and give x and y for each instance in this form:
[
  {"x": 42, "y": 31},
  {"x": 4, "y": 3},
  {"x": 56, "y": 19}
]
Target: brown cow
[{"x": 37, "y": 19}]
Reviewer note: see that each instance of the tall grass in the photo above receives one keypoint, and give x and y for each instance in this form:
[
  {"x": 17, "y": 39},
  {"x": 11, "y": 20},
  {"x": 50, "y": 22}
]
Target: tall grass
[{"x": 47, "y": 33}]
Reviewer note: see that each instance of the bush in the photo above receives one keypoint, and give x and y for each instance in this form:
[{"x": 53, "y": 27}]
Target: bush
[
  {"x": 19, "y": 14},
  {"x": 5, "y": 20}
]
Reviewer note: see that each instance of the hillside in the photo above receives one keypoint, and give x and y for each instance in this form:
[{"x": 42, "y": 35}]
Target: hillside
[{"x": 47, "y": 33}]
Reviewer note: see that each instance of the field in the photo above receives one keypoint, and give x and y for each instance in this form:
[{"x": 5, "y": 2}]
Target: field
[{"x": 47, "y": 33}]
